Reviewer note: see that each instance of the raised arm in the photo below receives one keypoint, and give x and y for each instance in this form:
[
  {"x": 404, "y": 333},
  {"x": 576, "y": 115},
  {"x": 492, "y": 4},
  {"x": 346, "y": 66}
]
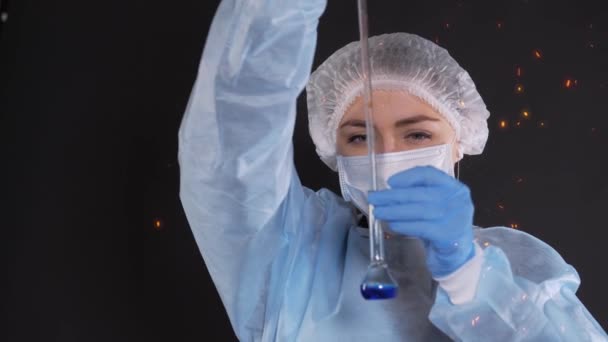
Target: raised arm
[{"x": 235, "y": 143}]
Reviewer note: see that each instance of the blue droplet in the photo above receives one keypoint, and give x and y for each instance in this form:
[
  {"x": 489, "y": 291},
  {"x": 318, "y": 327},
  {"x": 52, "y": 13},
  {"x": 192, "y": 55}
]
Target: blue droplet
[{"x": 378, "y": 291}]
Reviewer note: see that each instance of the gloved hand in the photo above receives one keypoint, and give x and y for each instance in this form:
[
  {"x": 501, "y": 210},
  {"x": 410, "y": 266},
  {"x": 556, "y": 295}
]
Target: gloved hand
[{"x": 429, "y": 204}]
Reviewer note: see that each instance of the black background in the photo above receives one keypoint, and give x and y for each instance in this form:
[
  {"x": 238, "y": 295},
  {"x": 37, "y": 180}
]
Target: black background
[{"x": 91, "y": 97}]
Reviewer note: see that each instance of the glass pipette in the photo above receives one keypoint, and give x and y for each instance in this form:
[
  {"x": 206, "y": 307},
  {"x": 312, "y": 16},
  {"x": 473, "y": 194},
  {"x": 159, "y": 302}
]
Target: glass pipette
[{"x": 378, "y": 282}]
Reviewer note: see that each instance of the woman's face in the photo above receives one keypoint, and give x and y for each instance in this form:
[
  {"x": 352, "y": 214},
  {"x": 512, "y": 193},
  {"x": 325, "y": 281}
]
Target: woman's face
[{"x": 402, "y": 122}]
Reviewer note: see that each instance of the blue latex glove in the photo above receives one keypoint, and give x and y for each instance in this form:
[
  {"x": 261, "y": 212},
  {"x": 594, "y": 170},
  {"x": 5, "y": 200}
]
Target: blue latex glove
[{"x": 429, "y": 204}]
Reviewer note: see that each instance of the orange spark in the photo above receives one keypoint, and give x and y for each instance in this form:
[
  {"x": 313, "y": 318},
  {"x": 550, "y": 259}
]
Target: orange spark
[
  {"x": 525, "y": 113},
  {"x": 519, "y": 88},
  {"x": 538, "y": 54},
  {"x": 158, "y": 224},
  {"x": 514, "y": 225},
  {"x": 503, "y": 124}
]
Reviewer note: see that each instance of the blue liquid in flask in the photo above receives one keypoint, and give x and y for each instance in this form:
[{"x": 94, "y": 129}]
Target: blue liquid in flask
[
  {"x": 378, "y": 283},
  {"x": 378, "y": 291}
]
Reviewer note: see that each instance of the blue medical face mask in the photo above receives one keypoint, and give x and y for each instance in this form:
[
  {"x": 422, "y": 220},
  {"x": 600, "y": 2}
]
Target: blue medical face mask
[{"x": 355, "y": 172}]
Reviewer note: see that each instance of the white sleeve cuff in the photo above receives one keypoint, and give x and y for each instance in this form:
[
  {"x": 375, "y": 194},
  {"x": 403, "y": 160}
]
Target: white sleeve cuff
[{"x": 461, "y": 285}]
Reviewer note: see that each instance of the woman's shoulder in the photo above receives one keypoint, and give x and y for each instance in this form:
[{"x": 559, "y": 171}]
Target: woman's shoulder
[
  {"x": 528, "y": 255},
  {"x": 327, "y": 198},
  {"x": 510, "y": 236},
  {"x": 323, "y": 206}
]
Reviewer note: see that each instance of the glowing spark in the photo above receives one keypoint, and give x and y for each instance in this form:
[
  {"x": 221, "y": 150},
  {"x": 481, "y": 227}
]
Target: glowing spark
[
  {"x": 537, "y": 54},
  {"x": 525, "y": 113},
  {"x": 518, "y": 71},
  {"x": 568, "y": 83},
  {"x": 503, "y": 124},
  {"x": 499, "y": 25},
  {"x": 158, "y": 224},
  {"x": 542, "y": 124},
  {"x": 501, "y": 206},
  {"x": 514, "y": 225},
  {"x": 519, "y": 89},
  {"x": 518, "y": 123}
]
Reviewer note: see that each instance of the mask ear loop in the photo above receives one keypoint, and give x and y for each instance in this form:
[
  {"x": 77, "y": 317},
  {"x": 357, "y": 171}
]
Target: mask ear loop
[{"x": 457, "y": 166}]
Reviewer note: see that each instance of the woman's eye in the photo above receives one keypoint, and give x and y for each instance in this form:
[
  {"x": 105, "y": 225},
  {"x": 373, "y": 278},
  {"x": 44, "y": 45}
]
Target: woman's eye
[
  {"x": 355, "y": 139},
  {"x": 418, "y": 136}
]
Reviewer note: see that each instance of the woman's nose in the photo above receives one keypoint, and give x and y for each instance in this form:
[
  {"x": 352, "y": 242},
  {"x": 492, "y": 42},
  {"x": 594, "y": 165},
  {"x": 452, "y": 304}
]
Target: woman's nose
[{"x": 386, "y": 145}]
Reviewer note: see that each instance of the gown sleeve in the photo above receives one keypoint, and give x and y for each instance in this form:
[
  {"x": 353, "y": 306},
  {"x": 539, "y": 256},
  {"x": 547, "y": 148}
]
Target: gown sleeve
[
  {"x": 525, "y": 292},
  {"x": 238, "y": 184}
]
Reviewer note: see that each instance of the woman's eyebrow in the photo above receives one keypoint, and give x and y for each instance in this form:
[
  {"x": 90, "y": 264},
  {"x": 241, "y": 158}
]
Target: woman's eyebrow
[
  {"x": 354, "y": 123},
  {"x": 414, "y": 119},
  {"x": 402, "y": 122}
]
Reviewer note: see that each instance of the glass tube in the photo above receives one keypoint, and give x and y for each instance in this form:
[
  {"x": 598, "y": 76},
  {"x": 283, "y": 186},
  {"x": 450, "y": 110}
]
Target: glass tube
[{"x": 378, "y": 283}]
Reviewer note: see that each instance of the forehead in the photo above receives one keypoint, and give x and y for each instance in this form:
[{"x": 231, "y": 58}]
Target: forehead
[{"x": 390, "y": 105}]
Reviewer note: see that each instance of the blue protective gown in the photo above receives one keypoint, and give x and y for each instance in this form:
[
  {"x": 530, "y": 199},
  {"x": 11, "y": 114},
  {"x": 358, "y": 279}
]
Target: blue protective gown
[{"x": 287, "y": 261}]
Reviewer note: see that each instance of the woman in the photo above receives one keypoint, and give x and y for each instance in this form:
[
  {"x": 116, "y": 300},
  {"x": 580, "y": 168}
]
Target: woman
[{"x": 287, "y": 261}]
